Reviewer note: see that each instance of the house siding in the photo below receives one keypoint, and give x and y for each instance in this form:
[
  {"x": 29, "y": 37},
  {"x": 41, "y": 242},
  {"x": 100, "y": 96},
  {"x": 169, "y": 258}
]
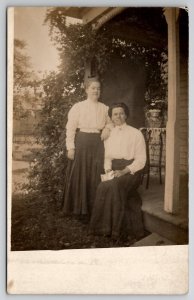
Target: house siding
[{"x": 183, "y": 116}]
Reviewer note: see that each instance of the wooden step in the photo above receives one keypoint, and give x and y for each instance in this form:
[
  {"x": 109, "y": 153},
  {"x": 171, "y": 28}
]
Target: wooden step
[
  {"x": 173, "y": 227},
  {"x": 167, "y": 229},
  {"x": 153, "y": 239}
]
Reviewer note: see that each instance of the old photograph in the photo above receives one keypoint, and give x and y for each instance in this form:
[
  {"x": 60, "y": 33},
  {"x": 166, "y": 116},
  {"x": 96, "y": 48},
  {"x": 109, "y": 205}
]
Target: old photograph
[{"x": 97, "y": 128}]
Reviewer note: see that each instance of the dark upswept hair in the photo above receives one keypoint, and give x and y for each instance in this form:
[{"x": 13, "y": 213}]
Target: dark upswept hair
[{"x": 122, "y": 105}]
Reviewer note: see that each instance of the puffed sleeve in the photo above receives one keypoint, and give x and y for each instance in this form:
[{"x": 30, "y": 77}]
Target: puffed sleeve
[
  {"x": 107, "y": 158},
  {"x": 72, "y": 125},
  {"x": 140, "y": 154},
  {"x": 107, "y": 164}
]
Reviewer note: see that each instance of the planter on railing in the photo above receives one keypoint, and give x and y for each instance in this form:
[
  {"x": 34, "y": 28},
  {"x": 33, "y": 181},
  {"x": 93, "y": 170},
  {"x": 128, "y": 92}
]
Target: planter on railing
[{"x": 154, "y": 118}]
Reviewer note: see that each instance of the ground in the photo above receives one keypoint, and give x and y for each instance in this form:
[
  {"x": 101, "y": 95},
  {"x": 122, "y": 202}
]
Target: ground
[{"x": 38, "y": 225}]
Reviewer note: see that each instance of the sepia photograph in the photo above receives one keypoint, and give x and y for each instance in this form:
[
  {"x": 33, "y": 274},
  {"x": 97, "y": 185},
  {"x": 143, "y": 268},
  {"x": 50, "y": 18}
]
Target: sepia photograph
[{"x": 97, "y": 129}]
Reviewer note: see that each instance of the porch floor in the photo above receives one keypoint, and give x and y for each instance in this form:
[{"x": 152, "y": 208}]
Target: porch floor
[{"x": 153, "y": 203}]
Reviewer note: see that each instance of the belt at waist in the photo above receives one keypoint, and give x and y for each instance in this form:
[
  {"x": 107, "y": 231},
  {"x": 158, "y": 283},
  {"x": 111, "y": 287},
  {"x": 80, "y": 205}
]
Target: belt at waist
[
  {"x": 90, "y": 130},
  {"x": 119, "y": 164}
]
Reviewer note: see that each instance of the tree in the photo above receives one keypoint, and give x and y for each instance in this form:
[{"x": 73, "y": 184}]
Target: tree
[
  {"x": 25, "y": 81},
  {"x": 21, "y": 64}
]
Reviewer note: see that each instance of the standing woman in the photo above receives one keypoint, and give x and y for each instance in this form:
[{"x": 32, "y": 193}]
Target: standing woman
[{"x": 85, "y": 151}]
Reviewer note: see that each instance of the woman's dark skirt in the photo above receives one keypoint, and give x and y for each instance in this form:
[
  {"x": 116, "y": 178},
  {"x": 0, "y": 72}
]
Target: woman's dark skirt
[
  {"x": 117, "y": 207},
  {"x": 83, "y": 174}
]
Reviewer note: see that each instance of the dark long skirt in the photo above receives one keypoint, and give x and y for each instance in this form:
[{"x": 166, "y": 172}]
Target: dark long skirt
[
  {"x": 83, "y": 174},
  {"x": 117, "y": 206}
]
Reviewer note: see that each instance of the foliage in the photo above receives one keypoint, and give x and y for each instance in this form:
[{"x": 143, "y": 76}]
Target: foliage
[
  {"x": 78, "y": 44},
  {"x": 21, "y": 64},
  {"x": 156, "y": 93},
  {"x": 25, "y": 81},
  {"x": 156, "y": 104},
  {"x": 50, "y": 160}
]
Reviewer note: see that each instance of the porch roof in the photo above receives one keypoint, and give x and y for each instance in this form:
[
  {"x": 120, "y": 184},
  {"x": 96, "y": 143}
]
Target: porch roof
[
  {"x": 143, "y": 25},
  {"x": 87, "y": 14}
]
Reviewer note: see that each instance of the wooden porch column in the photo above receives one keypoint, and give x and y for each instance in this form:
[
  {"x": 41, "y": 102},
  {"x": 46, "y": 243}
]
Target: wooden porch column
[{"x": 171, "y": 196}]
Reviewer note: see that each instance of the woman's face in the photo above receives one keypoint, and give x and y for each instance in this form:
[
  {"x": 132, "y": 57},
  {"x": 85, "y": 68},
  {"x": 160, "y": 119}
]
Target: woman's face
[
  {"x": 118, "y": 116},
  {"x": 93, "y": 90}
]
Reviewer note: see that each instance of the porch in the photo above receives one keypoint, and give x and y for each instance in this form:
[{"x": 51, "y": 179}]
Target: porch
[
  {"x": 173, "y": 227},
  {"x": 165, "y": 207}
]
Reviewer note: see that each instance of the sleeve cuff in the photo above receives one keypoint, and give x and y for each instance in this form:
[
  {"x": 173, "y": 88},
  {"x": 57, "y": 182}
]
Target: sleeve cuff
[
  {"x": 107, "y": 165},
  {"x": 70, "y": 147},
  {"x": 132, "y": 172}
]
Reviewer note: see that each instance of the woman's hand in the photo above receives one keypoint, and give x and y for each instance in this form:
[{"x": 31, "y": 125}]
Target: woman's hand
[
  {"x": 119, "y": 173},
  {"x": 108, "y": 171},
  {"x": 105, "y": 134},
  {"x": 71, "y": 154}
]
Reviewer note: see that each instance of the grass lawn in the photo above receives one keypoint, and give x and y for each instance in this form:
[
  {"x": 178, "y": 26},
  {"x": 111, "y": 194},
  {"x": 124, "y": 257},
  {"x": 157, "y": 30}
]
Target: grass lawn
[{"x": 37, "y": 224}]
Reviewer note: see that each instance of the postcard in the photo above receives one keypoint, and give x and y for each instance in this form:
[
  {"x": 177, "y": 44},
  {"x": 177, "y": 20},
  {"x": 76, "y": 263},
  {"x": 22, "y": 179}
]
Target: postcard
[{"x": 92, "y": 91}]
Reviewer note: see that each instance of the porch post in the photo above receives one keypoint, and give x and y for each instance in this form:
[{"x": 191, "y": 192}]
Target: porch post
[{"x": 171, "y": 196}]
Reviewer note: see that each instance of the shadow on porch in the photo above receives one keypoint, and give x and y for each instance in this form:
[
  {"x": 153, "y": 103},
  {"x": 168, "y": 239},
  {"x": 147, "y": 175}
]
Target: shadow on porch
[{"x": 172, "y": 227}]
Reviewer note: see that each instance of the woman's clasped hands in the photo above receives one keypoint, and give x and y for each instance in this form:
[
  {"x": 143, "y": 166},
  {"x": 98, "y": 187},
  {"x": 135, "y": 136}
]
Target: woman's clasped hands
[{"x": 118, "y": 173}]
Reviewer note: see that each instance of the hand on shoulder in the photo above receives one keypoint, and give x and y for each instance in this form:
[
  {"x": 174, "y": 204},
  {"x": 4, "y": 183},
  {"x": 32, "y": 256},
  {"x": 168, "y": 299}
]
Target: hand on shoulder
[{"x": 105, "y": 134}]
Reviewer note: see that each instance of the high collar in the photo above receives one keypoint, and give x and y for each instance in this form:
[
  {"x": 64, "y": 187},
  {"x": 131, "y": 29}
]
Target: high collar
[
  {"x": 91, "y": 101},
  {"x": 121, "y": 127}
]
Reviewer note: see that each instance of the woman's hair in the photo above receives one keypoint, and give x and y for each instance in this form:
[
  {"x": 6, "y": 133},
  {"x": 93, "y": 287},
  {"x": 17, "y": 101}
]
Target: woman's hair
[
  {"x": 115, "y": 105},
  {"x": 90, "y": 80}
]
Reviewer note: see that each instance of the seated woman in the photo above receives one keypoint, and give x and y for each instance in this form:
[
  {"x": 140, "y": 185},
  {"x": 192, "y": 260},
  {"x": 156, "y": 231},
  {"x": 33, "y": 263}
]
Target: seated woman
[{"x": 114, "y": 211}]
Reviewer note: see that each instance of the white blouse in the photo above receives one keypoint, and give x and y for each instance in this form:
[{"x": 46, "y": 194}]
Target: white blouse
[
  {"x": 88, "y": 116},
  {"x": 125, "y": 142}
]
